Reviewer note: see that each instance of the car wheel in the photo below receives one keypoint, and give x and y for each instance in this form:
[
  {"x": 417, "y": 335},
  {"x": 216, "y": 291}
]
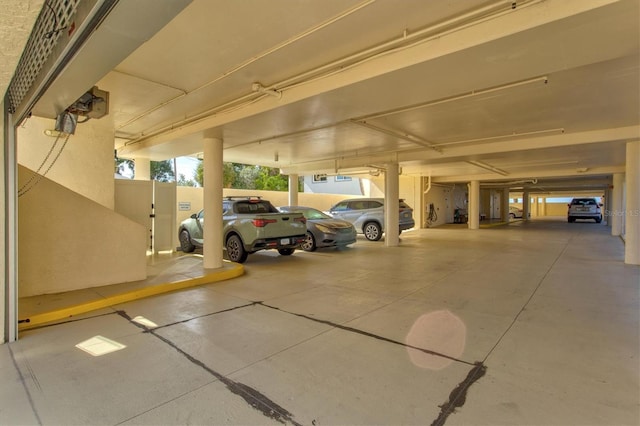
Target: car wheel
[
  {"x": 512, "y": 216},
  {"x": 286, "y": 251},
  {"x": 235, "y": 249},
  {"x": 185, "y": 242},
  {"x": 372, "y": 231},
  {"x": 598, "y": 220},
  {"x": 571, "y": 219},
  {"x": 309, "y": 242}
]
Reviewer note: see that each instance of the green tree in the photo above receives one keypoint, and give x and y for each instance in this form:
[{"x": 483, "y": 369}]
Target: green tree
[
  {"x": 162, "y": 171},
  {"x": 183, "y": 181},
  {"x": 122, "y": 166},
  {"x": 247, "y": 177},
  {"x": 270, "y": 179}
]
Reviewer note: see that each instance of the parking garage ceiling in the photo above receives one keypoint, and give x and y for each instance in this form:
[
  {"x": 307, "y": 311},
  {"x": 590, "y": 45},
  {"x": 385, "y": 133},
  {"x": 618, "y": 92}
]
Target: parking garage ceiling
[{"x": 497, "y": 91}]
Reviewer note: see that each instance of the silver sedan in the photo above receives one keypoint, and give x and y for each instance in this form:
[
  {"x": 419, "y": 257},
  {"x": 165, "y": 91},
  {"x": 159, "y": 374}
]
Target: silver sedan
[{"x": 322, "y": 229}]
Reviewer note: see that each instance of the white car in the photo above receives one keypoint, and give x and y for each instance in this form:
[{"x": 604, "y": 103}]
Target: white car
[
  {"x": 584, "y": 208},
  {"x": 515, "y": 212}
]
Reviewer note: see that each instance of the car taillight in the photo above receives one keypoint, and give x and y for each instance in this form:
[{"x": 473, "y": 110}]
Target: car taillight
[
  {"x": 301, "y": 219},
  {"x": 261, "y": 223}
]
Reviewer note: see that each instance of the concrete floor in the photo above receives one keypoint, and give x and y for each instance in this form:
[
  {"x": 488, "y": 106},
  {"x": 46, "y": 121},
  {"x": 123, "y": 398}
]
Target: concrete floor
[{"x": 528, "y": 324}]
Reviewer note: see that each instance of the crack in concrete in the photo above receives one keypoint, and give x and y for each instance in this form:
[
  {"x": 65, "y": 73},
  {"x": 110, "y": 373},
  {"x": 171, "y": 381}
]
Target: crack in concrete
[
  {"x": 367, "y": 334},
  {"x": 252, "y": 396},
  {"x": 458, "y": 395}
]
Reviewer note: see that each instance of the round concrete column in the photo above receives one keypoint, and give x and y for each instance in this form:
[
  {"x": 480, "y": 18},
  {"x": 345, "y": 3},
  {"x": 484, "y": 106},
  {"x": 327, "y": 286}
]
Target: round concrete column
[
  {"x": 212, "y": 192},
  {"x": 526, "y": 205},
  {"x": 474, "y": 205},
  {"x": 391, "y": 205},
  {"x": 142, "y": 169},
  {"x": 632, "y": 213},
  {"x": 504, "y": 205},
  {"x": 614, "y": 213},
  {"x": 293, "y": 190}
]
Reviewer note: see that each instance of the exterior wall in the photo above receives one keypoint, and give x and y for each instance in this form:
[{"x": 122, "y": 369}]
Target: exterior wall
[
  {"x": 86, "y": 165},
  {"x": 68, "y": 242},
  {"x": 192, "y": 198},
  {"x": 442, "y": 199},
  {"x": 334, "y": 185}
]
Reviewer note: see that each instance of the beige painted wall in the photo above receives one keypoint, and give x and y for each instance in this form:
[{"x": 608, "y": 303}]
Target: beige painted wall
[
  {"x": 86, "y": 165},
  {"x": 69, "y": 242},
  {"x": 192, "y": 197}
]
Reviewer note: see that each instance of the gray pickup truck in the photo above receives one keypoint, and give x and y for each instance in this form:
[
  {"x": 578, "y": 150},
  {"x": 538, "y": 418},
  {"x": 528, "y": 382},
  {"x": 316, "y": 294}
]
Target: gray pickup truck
[{"x": 250, "y": 224}]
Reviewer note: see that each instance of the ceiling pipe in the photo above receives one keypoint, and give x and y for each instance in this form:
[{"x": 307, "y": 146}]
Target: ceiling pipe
[
  {"x": 426, "y": 191},
  {"x": 404, "y": 41},
  {"x": 256, "y": 58},
  {"x": 512, "y": 183}
]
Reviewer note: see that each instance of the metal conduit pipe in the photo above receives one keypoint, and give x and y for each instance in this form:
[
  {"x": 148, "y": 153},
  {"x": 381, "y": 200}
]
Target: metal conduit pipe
[
  {"x": 438, "y": 30},
  {"x": 504, "y": 184},
  {"x": 254, "y": 59}
]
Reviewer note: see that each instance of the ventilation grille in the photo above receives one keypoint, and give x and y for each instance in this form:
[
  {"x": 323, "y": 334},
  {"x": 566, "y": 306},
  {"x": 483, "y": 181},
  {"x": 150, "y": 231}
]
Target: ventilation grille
[{"x": 55, "y": 18}]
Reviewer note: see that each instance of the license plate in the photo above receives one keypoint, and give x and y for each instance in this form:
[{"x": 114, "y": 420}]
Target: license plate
[{"x": 285, "y": 241}]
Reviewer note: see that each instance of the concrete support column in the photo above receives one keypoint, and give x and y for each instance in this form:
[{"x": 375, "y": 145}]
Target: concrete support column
[
  {"x": 474, "y": 205},
  {"x": 391, "y": 205},
  {"x": 212, "y": 191},
  {"x": 142, "y": 169},
  {"x": 543, "y": 207},
  {"x": 526, "y": 205},
  {"x": 293, "y": 190},
  {"x": 504, "y": 205},
  {"x": 614, "y": 211},
  {"x": 632, "y": 213}
]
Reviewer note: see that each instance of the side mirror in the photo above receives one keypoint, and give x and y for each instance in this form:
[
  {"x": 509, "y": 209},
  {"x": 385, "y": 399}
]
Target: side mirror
[{"x": 194, "y": 216}]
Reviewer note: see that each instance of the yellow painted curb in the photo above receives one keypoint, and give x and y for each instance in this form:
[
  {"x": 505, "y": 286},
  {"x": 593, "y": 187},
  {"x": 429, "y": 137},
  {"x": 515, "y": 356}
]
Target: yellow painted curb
[
  {"x": 491, "y": 225},
  {"x": 236, "y": 270}
]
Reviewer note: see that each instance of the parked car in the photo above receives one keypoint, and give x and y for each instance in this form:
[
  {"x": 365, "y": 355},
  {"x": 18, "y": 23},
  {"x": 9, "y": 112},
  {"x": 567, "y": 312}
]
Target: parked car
[
  {"x": 250, "y": 224},
  {"x": 584, "y": 208},
  {"x": 322, "y": 229},
  {"x": 515, "y": 212},
  {"x": 367, "y": 215}
]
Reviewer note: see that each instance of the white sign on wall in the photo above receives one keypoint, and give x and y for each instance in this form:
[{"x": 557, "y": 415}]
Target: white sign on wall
[{"x": 184, "y": 205}]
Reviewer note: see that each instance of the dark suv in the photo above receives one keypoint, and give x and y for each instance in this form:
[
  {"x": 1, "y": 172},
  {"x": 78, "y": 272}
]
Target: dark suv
[{"x": 367, "y": 215}]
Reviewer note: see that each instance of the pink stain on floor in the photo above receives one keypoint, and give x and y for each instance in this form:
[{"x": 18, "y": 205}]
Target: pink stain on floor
[{"x": 438, "y": 331}]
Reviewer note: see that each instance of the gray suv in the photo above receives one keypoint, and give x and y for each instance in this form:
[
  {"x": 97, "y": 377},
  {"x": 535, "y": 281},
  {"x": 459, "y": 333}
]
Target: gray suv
[{"x": 367, "y": 215}]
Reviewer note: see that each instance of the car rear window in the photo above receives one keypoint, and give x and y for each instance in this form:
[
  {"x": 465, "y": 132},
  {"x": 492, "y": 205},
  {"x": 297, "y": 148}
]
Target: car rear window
[
  {"x": 584, "y": 202},
  {"x": 252, "y": 207}
]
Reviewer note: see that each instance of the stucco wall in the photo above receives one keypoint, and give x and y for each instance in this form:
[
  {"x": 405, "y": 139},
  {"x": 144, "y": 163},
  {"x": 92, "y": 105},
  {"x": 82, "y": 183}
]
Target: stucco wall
[
  {"x": 68, "y": 242},
  {"x": 409, "y": 190},
  {"x": 86, "y": 165}
]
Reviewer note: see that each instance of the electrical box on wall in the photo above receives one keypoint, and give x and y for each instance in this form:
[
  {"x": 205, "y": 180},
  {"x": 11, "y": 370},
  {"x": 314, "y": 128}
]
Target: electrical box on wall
[{"x": 93, "y": 104}]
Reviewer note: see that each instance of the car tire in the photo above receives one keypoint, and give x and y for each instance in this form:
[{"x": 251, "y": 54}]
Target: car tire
[
  {"x": 372, "y": 231},
  {"x": 185, "y": 242},
  {"x": 286, "y": 251},
  {"x": 512, "y": 216},
  {"x": 235, "y": 249},
  {"x": 309, "y": 242},
  {"x": 598, "y": 220},
  {"x": 571, "y": 219}
]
